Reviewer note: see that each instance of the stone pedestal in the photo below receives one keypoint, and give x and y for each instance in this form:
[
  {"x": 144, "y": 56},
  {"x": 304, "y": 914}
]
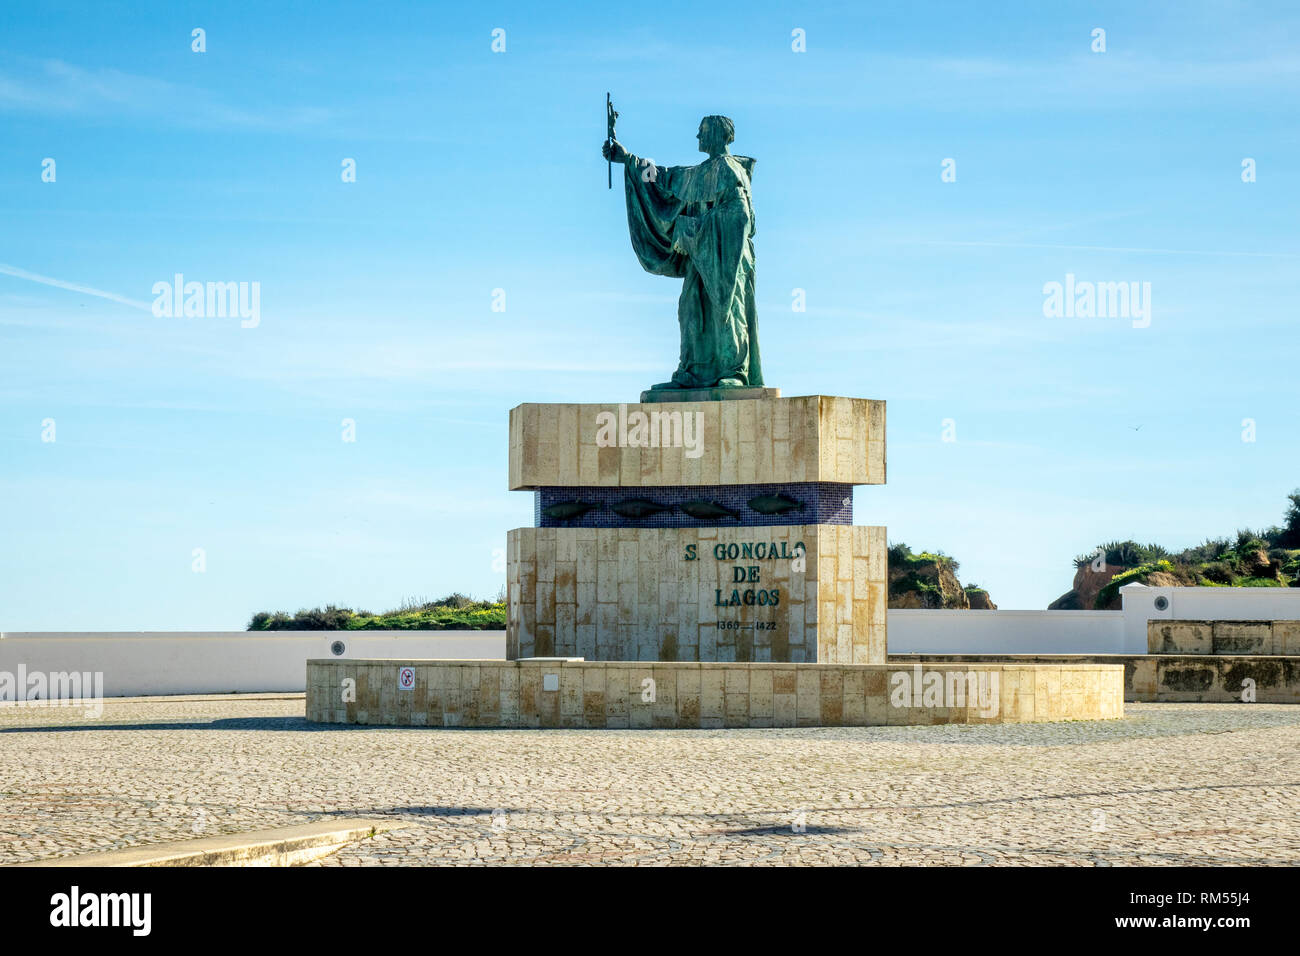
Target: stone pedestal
[
  {"x": 696, "y": 565},
  {"x": 710, "y": 531}
]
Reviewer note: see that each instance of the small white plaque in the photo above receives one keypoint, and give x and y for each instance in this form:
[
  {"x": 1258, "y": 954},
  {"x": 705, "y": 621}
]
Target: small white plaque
[
  {"x": 406, "y": 678},
  {"x": 550, "y": 682}
]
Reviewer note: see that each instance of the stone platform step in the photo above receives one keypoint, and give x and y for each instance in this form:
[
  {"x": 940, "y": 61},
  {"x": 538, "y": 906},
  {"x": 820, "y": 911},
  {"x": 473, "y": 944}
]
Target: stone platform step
[{"x": 610, "y": 695}]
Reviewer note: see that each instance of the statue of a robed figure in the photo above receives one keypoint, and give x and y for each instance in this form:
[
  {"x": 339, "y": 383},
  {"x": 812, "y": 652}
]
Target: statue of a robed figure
[{"x": 696, "y": 223}]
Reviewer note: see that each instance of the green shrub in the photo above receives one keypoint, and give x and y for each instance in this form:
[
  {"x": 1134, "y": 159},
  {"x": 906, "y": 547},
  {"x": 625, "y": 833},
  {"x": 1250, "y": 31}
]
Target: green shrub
[
  {"x": 1139, "y": 575},
  {"x": 266, "y": 621},
  {"x": 1249, "y": 542},
  {"x": 1124, "y": 554},
  {"x": 1290, "y": 536},
  {"x": 911, "y": 581},
  {"x": 899, "y": 554},
  {"x": 1219, "y": 572},
  {"x": 329, "y": 618}
]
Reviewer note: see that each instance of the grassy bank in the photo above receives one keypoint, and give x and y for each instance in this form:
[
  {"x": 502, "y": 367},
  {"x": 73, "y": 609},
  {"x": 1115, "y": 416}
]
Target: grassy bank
[{"x": 456, "y": 612}]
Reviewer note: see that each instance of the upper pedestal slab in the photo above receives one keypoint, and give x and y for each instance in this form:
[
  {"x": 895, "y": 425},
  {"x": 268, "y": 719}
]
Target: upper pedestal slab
[{"x": 818, "y": 438}]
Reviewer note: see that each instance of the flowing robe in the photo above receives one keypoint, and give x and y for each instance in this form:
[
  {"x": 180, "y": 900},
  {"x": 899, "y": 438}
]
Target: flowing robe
[{"x": 697, "y": 223}]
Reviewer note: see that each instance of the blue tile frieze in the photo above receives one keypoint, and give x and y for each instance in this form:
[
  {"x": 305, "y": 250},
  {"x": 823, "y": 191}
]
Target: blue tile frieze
[{"x": 718, "y": 506}]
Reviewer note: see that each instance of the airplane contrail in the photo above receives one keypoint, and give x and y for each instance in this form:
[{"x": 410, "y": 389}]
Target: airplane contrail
[{"x": 72, "y": 287}]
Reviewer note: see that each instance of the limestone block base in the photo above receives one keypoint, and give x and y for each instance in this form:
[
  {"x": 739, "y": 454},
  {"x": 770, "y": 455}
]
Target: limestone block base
[
  {"x": 808, "y": 438},
  {"x": 792, "y": 593},
  {"x": 611, "y": 695}
]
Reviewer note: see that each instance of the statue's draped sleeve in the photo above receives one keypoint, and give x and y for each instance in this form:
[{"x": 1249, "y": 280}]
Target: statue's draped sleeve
[{"x": 651, "y": 216}]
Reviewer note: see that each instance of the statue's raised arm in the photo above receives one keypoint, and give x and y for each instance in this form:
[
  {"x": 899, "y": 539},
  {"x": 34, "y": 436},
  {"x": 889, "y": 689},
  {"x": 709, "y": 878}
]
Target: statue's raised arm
[{"x": 697, "y": 223}]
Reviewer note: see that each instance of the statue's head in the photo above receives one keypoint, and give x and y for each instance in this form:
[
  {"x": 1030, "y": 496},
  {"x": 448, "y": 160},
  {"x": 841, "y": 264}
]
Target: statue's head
[{"x": 715, "y": 133}]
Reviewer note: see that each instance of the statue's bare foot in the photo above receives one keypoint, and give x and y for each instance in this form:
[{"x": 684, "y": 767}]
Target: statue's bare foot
[{"x": 730, "y": 383}]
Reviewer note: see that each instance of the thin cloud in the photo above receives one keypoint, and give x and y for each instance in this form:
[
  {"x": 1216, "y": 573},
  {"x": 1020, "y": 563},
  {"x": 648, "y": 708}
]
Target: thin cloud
[
  {"x": 1157, "y": 252},
  {"x": 59, "y": 87}
]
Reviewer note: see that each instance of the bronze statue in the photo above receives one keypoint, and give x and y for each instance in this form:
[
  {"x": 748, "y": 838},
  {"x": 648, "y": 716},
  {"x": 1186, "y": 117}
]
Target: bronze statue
[{"x": 697, "y": 223}]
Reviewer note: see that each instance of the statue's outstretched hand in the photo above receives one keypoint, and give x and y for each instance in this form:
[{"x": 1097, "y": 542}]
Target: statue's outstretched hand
[{"x": 613, "y": 151}]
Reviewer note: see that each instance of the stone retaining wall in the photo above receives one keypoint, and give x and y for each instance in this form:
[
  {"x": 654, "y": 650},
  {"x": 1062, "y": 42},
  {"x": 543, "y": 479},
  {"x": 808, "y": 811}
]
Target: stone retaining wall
[
  {"x": 1159, "y": 678},
  {"x": 1223, "y": 637}
]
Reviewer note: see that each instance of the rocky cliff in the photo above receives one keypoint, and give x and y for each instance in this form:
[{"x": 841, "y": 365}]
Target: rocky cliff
[
  {"x": 929, "y": 580},
  {"x": 1258, "y": 559}
]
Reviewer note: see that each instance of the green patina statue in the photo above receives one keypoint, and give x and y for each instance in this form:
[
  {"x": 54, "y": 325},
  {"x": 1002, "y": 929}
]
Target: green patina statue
[{"x": 697, "y": 223}]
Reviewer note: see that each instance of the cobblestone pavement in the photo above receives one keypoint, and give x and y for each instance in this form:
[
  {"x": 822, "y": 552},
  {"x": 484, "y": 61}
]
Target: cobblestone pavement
[{"x": 1169, "y": 784}]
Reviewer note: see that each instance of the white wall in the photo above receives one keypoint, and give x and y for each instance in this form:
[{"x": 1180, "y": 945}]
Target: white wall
[
  {"x": 144, "y": 663},
  {"x": 138, "y": 663},
  {"x": 1083, "y": 632},
  {"x": 198, "y": 662},
  {"x": 1007, "y": 632}
]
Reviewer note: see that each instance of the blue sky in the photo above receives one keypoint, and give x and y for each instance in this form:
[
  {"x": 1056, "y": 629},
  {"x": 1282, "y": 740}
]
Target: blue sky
[{"x": 479, "y": 170}]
